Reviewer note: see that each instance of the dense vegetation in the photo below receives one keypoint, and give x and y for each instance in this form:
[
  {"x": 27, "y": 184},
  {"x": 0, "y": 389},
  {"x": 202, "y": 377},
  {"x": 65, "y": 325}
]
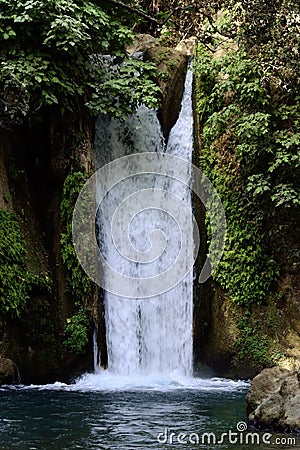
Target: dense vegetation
[
  {"x": 79, "y": 285},
  {"x": 248, "y": 102},
  {"x": 51, "y": 55},
  {"x": 16, "y": 281},
  {"x": 250, "y": 153},
  {"x": 53, "y": 61},
  {"x": 247, "y": 66}
]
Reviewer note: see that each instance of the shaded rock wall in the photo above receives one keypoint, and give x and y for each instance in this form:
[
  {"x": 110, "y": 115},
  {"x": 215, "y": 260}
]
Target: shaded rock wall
[
  {"x": 34, "y": 162},
  {"x": 8, "y": 372}
]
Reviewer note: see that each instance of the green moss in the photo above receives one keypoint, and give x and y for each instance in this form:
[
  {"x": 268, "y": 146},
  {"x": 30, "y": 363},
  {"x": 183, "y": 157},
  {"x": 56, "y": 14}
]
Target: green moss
[
  {"x": 257, "y": 344},
  {"x": 16, "y": 282},
  {"x": 240, "y": 126},
  {"x": 171, "y": 64},
  {"x": 163, "y": 55},
  {"x": 79, "y": 285},
  {"x": 163, "y": 75}
]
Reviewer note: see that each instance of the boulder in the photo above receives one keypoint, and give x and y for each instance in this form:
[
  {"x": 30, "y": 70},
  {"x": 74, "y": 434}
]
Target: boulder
[{"x": 273, "y": 400}]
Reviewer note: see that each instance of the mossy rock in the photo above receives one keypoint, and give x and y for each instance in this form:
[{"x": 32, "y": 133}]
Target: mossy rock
[
  {"x": 7, "y": 371},
  {"x": 171, "y": 70}
]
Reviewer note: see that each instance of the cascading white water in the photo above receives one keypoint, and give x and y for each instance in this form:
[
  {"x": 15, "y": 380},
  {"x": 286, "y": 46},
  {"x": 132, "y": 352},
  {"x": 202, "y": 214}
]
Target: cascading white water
[
  {"x": 96, "y": 354},
  {"x": 147, "y": 335}
]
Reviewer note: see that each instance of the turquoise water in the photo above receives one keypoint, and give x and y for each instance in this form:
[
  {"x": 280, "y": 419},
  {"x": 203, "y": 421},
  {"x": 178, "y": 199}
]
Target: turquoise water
[{"x": 115, "y": 415}]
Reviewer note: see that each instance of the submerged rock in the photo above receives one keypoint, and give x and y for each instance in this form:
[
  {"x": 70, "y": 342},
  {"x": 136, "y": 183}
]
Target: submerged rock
[
  {"x": 7, "y": 371},
  {"x": 273, "y": 400}
]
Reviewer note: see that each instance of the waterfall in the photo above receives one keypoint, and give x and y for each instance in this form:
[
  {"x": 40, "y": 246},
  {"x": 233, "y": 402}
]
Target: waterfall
[
  {"x": 151, "y": 335},
  {"x": 96, "y": 355}
]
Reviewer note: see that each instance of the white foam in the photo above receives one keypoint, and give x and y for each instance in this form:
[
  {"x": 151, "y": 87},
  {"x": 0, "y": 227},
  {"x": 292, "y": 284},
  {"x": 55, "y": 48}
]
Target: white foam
[{"x": 106, "y": 381}]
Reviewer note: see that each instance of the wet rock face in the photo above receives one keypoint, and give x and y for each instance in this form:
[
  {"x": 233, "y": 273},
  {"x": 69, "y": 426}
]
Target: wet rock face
[
  {"x": 7, "y": 371},
  {"x": 273, "y": 400}
]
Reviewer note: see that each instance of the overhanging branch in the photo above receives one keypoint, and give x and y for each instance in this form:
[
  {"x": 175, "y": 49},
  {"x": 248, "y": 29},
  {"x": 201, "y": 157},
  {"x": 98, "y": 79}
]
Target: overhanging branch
[
  {"x": 134, "y": 10},
  {"x": 159, "y": 23},
  {"x": 140, "y": 13}
]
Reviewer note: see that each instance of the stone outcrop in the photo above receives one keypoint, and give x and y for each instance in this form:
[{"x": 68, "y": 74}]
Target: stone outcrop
[
  {"x": 171, "y": 68},
  {"x": 141, "y": 43},
  {"x": 216, "y": 331},
  {"x": 273, "y": 400},
  {"x": 186, "y": 46}
]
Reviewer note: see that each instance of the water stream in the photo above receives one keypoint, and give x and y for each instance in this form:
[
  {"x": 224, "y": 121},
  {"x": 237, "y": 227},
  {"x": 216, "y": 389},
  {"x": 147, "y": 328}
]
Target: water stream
[
  {"x": 147, "y": 336},
  {"x": 77, "y": 417}
]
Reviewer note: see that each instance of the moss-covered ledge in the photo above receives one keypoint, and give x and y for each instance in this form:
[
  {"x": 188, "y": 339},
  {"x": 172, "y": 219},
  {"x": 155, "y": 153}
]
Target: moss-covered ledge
[{"x": 171, "y": 69}]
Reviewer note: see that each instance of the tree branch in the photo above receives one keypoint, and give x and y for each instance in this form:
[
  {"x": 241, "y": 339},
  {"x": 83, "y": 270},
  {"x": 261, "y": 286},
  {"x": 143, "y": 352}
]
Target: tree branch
[
  {"x": 134, "y": 10},
  {"x": 179, "y": 8},
  {"x": 140, "y": 13},
  {"x": 215, "y": 29}
]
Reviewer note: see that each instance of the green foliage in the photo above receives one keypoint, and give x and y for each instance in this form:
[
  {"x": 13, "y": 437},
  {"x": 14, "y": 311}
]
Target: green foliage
[
  {"x": 119, "y": 95},
  {"x": 254, "y": 346},
  {"x": 264, "y": 127},
  {"x": 250, "y": 154},
  {"x": 270, "y": 32},
  {"x": 76, "y": 332},
  {"x": 78, "y": 283},
  {"x": 16, "y": 282},
  {"x": 72, "y": 186},
  {"x": 171, "y": 64},
  {"x": 6, "y": 198},
  {"x": 163, "y": 55},
  {"x": 48, "y": 56},
  {"x": 163, "y": 75}
]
